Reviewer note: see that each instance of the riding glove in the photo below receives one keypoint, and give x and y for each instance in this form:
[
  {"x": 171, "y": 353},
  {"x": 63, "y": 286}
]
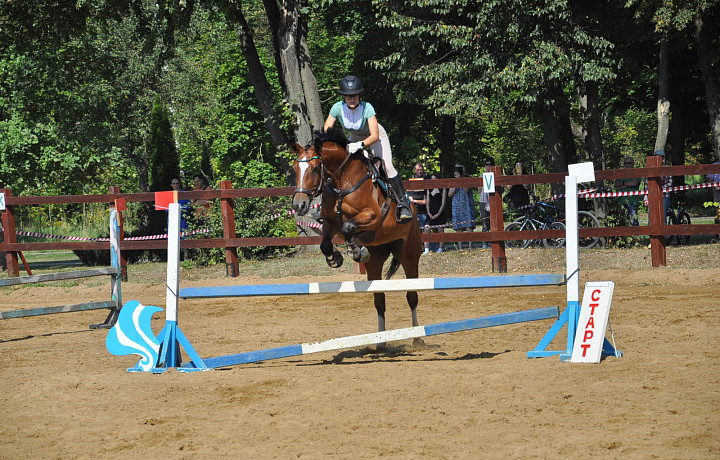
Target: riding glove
[{"x": 354, "y": 147}]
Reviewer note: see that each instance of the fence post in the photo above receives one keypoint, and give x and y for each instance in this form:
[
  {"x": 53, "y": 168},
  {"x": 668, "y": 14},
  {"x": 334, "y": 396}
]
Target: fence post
[
  {"x": 655, "y": 213},
  {"x": 8, "y": 221},
  {"x": 497, "y": 224},
  {"x": 228, "y": 221},
  {"x": 115, "y": 190}
]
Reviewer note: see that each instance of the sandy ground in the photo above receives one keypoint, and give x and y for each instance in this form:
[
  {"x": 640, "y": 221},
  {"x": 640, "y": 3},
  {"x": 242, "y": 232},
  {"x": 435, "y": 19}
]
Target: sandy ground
[{"x": 466, "y": 395}]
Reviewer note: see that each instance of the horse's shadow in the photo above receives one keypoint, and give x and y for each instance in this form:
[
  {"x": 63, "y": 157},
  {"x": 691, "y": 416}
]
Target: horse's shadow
[{"x": 400, "y": 352}]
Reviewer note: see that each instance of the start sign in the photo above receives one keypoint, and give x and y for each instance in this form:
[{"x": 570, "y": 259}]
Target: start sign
[{"x": 592, "y": 323}]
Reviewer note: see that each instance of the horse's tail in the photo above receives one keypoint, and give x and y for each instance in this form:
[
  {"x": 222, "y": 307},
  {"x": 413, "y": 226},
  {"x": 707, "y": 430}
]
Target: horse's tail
[{"x": 394, "y": 264}]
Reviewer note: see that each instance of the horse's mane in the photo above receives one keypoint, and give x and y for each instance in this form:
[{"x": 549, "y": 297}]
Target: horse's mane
[{"x": 331, "y": 135}]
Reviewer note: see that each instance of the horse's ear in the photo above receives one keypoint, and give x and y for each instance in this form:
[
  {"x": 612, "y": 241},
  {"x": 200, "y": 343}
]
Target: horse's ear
[{"x": 297, "y": 148}]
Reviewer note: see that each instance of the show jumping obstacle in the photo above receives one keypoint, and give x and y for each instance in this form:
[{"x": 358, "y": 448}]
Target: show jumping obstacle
[
  {"x": 168, "y": 343},
  {"x": 114, "y": 272}
]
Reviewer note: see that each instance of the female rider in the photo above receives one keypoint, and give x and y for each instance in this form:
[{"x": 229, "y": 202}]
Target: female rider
[{"x": 358, "y": 117}]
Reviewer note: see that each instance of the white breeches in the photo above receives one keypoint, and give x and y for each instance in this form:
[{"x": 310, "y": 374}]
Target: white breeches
[{"x": 380, "y": 149}]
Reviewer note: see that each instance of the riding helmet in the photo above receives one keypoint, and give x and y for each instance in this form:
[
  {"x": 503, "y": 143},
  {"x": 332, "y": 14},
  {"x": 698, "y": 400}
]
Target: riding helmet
[{"x": 351, "y": 85}]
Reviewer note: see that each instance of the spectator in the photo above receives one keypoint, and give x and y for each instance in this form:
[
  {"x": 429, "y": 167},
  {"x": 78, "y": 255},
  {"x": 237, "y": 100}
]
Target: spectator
[
  {"x": 716, "y": 190},
  {"x": 417, "y": 197},
  {"x": 485, "y": 204},
  {"x": 463, "y": 207},
  {"x": 519, "y": 194},
  {"x": 630, "y": 202},
  {"x": 176, "y": 185},
  {"x": 436, "y": 199}
]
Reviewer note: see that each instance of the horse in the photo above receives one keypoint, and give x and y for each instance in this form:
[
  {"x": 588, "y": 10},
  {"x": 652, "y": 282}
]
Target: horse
[{"x": 356, "y": 205}]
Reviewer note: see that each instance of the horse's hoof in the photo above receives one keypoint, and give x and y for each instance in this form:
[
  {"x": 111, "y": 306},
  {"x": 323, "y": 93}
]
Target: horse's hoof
[
  {"x": 336, "y": 260},
  {"x": 364, "y": 255}
]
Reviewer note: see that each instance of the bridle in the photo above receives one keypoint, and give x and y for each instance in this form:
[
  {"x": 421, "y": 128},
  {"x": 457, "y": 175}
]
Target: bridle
[{"x": 312, "y": 193}]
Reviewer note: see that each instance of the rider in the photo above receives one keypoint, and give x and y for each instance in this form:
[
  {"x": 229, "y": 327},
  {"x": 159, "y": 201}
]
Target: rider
[{"x": 358, "y": 117}]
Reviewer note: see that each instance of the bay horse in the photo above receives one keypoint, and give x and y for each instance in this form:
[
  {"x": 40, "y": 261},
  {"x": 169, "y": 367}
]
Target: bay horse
[{"x": 356, "y": 205}]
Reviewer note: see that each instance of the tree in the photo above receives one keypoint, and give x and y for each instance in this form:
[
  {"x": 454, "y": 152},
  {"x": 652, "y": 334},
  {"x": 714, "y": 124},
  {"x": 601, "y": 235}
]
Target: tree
[
  {"x": 464, "y": 53},
  {"x": 164, "y": 160}
]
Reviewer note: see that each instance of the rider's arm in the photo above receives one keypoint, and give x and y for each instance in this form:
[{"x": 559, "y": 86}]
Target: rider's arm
[
  {"x": 329, "y": 123},
  {"x": 374, "y": 131}
]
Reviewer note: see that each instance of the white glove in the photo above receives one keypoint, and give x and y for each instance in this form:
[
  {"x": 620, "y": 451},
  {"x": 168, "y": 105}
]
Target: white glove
[{"x": 354, "y": 147}]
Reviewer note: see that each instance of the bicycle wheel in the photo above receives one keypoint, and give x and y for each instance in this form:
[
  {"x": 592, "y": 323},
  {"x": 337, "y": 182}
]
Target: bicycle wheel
[
  {"x": 587, "y": 220},
  {"x": 670, "y": 219},
  {"x": 555, "y": 242},
  {"x": 683, "y": 219},
  {"x": 519, "y": 225}
]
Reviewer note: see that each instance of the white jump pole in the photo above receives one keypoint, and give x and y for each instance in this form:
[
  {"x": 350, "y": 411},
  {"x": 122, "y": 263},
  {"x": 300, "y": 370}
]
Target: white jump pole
[{"x": 572, "y": 261}]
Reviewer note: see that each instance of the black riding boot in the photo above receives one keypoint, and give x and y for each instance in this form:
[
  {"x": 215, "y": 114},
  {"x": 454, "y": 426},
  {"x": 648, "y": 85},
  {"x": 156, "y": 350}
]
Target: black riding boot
[{"x": 405, "y": 214}]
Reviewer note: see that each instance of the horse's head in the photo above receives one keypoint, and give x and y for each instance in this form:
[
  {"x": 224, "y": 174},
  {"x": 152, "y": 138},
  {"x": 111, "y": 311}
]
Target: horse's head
[{"x": 309, "y": 175}]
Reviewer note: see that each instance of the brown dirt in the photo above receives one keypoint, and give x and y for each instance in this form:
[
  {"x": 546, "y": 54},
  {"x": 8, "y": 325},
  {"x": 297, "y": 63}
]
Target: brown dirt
[{"x": 466, "y": 395}]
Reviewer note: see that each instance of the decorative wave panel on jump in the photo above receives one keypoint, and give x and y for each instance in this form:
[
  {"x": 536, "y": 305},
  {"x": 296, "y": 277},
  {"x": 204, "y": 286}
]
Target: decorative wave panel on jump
[{"x": 417, "y": 284}]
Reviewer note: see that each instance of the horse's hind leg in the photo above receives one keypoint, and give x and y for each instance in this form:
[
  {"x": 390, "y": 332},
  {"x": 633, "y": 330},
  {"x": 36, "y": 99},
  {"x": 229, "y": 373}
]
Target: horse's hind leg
[{"x": 373, "y": 269}]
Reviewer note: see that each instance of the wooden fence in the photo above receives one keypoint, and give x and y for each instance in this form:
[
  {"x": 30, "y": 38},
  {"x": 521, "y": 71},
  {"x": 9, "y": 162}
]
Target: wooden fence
[{"x": 656, "y": 229}]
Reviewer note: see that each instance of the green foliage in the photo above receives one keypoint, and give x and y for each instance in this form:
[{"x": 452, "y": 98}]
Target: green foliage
[{"x": 164, "y": 161}]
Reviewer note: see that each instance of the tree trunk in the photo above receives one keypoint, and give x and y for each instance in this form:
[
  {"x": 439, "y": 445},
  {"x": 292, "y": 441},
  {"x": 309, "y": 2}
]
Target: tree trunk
[
  {"x": 309, "y": 82},
  {"x": 554, "y": 142},
  {"x": 261, "y": 87},
  {"x": 663, "y": 105},
  {"x": 593, "y": 141},
  {"x": 677, "y": 135},
  {"x": 447, "y": 142},
  {"x": 288, "y": 34},
  {"x": 710, "y": 78}
]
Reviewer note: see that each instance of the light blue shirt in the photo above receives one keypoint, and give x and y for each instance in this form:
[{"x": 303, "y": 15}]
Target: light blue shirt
[{"x": 355, "y": 120}]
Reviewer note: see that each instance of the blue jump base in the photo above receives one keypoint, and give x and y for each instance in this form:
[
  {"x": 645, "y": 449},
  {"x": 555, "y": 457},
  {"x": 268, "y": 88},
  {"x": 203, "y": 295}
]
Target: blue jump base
[
  {"x": 416, "y": 284},
  {"x": 372, "y": 338}
]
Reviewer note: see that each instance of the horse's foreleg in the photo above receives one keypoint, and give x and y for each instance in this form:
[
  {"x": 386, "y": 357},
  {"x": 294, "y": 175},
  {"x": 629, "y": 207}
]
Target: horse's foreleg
[
  {"x": 412, "y": 300},
  {"x": 332, "y": 256}
]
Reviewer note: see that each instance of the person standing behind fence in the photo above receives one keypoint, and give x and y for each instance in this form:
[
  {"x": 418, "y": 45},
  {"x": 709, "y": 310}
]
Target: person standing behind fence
[
  {"x": 519, "y": 194},
  {"x": 417, "y": 197},
  {"x": 436, "y": 200},
  {"x": 630, "y": 202},
  {"x": 463, "y": 207},
  {"x": 176, "y": 186},
  {"x": 485, "y": 204}
]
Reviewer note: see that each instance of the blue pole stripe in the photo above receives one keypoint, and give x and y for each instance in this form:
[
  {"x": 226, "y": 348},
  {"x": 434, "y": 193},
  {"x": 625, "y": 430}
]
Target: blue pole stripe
[
  {"x": 383, "y": 336},
  {"x": 417, "y": 284}
]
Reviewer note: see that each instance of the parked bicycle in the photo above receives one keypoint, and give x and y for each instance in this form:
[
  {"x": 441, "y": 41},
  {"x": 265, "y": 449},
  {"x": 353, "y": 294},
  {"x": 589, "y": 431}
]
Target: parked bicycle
[
  {"x": 542, "y": 216},
  {"x": 535, "y": 218},
  {"x": 681, "y": 217}
]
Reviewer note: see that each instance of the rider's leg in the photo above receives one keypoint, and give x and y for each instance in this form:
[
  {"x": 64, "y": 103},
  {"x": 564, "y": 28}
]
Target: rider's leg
[{"x": 382, "y": 150}]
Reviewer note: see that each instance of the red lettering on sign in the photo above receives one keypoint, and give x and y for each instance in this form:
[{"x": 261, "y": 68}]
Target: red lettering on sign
[
  {"x": 593, "y": 306},
  {"x": 584, "y": 349},
  {"x": 588, "y": 335},
  {"x": 591, "y": 323},
  {"x": 594, "y": 293}
]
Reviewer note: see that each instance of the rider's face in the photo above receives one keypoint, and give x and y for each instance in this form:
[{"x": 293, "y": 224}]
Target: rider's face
[{"x": 352, "y": 100}]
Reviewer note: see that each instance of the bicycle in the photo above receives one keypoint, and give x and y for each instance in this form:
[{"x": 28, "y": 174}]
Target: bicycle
[
  {"x": 681, "y": 217},
  {"x": 585, "y": 220},
  {"x": 535, "y": 218}
]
